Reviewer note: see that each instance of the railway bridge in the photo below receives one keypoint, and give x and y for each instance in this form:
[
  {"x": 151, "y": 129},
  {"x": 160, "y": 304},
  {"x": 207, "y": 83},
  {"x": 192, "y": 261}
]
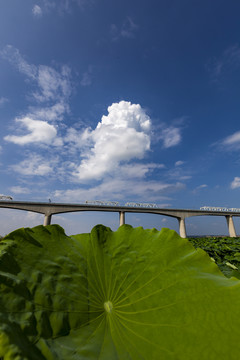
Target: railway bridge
[{"x": 49, "y": 209}]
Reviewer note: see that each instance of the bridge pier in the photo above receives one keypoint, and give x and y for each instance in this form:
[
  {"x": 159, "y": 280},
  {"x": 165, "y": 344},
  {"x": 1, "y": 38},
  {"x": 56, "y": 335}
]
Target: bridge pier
[
  {"x": 231, "y": 227},
  {"x": 121, "y": 218},
  {"x": 182, "y": 227},
  {"x": 47, "y": 220}
]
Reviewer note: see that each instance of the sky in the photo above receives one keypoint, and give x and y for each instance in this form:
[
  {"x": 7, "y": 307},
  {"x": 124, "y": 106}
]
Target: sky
[{"x": 128, "y": 101}]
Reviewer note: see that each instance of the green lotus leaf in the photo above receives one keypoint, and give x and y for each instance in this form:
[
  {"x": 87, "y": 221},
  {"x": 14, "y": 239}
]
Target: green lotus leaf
[{"x": 127, "y": 295}]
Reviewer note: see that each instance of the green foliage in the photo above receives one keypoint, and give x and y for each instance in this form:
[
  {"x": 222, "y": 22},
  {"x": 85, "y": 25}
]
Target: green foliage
[
  {"x": 132, "y": 294},
  {"x": 224, "y": 250}
]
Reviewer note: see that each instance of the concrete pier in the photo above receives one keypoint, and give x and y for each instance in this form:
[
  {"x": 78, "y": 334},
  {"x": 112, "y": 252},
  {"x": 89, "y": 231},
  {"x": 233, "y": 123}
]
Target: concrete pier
[
  {"x": 231, "y": 227},
  {"x": 182, "y": 228},
  {"x": 121, "y": 218},
  {"x": 47, "y": 220}
]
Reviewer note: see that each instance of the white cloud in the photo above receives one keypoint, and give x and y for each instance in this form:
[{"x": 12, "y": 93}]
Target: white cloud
[
  {"x": 53, "y": 91},
  {"x": 19, "y": 190},
  {"x": 136, "y": 170},
  {"x": 178, "y": 172},
  {"x": 232, "y": 141},
  {"x": 179, "y": 163},
  {"x": 37, "y": 11},
  {"x": 235, "y": 183},
  {"x": 64, "y": 6},
  {"x": 227, "y": 62},
  {"x": 34, "y": 165},
  {"x": 3, "y": 101},
  {"x": 170, "y": 136},
  {"x": 19, "y": 219},
  {"x": 185, "y": 177},
  {"x": 87, "y": 77},
  {"x": 52, "y": 84},
  {"x": 40, "y": 132},
  {"x": 117, "y": 189},
  {"x": 14, "y": 57},
  {"x": 51, "y": 113},
  {"x": 200, "y": 187},
  {"x": 121, "y": 136},
  {"x": 229, "y": 143},
  {"x": 77, "y": 138},
  {"x": 126, "y": 30}
]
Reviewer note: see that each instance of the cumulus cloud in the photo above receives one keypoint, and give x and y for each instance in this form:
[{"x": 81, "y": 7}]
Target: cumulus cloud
[
  {"x": 121, "y": 136},
  {"x": 34, "y": 164},
  {"x": 39, "y": 132},
  {"x": 37, "y": 11},
  {"x": 235, "y": 183}
]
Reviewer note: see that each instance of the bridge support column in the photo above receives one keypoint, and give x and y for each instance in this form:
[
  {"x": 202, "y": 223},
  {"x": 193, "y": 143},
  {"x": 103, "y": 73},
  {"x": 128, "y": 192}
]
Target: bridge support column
[
  {"x": 121, "y": 218},
  {"x": 47, "y": 220},
  {"x": 182, "y": 228},
  {"x": 231, "y": 227}
]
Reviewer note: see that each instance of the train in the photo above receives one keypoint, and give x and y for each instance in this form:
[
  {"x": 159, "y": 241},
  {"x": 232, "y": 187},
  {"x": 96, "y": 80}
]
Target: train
[
  {"x": 116, "y": 203},
  {"x": 218, "y": 208},
  {"x": 5, "y": 197},
  {"x": 100, "y": 202}
]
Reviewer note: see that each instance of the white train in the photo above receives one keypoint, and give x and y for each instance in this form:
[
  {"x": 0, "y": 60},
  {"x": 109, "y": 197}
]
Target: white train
[
  {"x": 116, "y": 203},
  {"x": 217, "y": 208},
  {"x": 101, "y": 202},
  {"x": 147, "y": 205},
  {"x": 5, "y": 197}
]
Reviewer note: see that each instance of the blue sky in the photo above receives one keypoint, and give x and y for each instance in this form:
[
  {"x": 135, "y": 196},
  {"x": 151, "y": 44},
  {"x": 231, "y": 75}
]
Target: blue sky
[{"x": 121, "y": 101}]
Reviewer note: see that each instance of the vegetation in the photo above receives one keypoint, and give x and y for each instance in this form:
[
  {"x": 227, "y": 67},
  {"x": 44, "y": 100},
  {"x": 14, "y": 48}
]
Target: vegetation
[
  {"x": 224, "y": 250},
  {"x": 131, "y": 294}
]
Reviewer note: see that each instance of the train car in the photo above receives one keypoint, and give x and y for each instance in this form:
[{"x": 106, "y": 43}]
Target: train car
[
  {"x": 218, "y": 208},
  {"x": 5, "y": 197},
  {"x": 147, "y": 205},
  {"x": 102, "y": 202}
]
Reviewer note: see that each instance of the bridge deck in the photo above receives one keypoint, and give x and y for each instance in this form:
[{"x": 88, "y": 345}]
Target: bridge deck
[
  {"x": 58, "y": 208},
  {"x": 49, "y": 209}
]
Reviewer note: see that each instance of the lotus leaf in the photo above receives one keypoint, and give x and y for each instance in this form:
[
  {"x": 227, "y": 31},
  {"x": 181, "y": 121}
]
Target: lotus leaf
[{"x": 132, "y": 294}]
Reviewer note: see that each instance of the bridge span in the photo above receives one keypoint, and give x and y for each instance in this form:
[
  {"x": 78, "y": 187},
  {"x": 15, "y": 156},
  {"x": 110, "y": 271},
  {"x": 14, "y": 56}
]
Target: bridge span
[{"x": 49, "y": 209}]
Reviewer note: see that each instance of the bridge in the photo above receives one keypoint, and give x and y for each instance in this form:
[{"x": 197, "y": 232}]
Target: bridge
[{"x": 49, "y": 209}]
